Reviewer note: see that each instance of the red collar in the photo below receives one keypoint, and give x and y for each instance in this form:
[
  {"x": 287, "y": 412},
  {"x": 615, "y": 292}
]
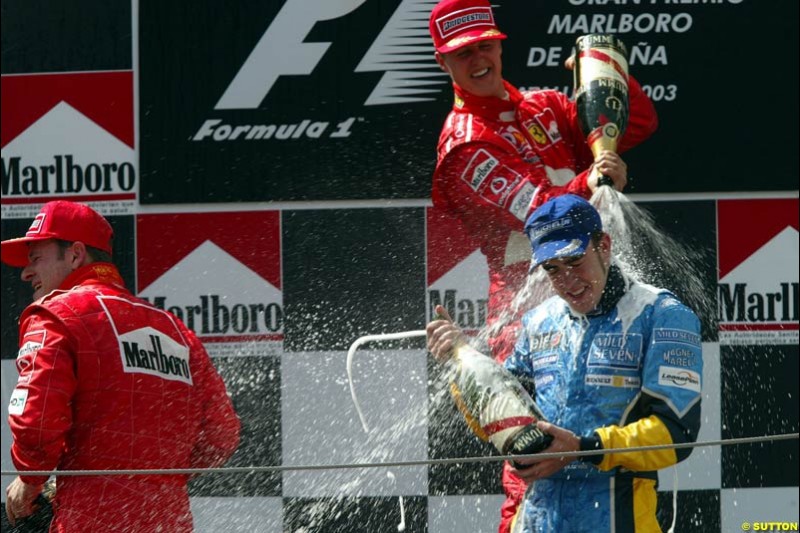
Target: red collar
[
  {"x": 98, "y": 272},
  {"x": 490, "y": 107}
]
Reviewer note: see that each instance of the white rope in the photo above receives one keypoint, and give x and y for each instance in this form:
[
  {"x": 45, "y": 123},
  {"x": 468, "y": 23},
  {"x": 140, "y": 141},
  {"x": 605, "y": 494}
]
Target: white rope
[
  {"x": 351, "y": 352},
  {"x": 674, "y": 499},
  {"x": 457, "y": 460}
]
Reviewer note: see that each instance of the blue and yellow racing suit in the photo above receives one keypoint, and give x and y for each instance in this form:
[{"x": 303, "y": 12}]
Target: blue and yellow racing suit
[{"x": 628, "y": 374}]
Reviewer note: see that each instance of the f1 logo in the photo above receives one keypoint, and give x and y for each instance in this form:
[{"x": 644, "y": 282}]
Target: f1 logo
[
  {"x": 281, "y": 51},
  {"x": 409, "y": 75}
]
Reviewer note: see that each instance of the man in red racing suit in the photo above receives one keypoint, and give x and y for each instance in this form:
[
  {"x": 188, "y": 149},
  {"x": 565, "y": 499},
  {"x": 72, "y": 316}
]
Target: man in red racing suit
[
  {"x": 106, "y": 381},
  {"x": 503, "y": 153},
  {"x": 498, "y": 160}
]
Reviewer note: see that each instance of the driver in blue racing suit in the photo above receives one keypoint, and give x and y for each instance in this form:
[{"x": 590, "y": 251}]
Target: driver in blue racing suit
[{"x": 612, "y": 363}]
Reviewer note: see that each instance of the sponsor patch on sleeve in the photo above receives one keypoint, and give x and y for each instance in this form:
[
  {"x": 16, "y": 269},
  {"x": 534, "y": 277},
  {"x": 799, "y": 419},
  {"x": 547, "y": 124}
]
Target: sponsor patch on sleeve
[
  {"x": 680, "y": 356},
  {"x": 494, "y": 181},
  {"x": 676, "y": 336},
  {"x": 681, "y": 378},
  {"x": 479, "y": 167},
  {"x": 32, "y": 342},
  {"x": 499, "y": 188},
  {"x": 16, "y": 405},
  {"x": 522, "y": 201}
]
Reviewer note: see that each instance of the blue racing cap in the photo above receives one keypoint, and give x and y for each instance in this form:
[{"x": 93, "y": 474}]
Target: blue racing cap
[{"x": 561, "y": 227}]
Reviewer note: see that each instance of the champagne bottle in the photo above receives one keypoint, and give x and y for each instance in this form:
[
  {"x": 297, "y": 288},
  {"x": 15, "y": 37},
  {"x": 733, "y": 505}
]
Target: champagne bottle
[
  {"x": 601, "y": 92},
  {"x": 495, "y": 405}
]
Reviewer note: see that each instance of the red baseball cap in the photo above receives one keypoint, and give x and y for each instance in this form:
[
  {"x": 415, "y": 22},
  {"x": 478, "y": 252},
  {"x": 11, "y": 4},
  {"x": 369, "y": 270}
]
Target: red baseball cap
[
  {"x": 66, "y": 221},
  {"x": 457, "y": 23}
]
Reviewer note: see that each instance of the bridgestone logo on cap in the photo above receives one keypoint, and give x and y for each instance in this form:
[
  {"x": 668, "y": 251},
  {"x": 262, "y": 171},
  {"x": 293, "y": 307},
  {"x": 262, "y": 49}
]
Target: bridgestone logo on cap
[{"x": 466, "y": 18}]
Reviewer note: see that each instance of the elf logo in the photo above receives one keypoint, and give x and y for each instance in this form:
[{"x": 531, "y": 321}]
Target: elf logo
[
  {"x": 545, "y": 342},
  {"x": 282, "y": 51}
]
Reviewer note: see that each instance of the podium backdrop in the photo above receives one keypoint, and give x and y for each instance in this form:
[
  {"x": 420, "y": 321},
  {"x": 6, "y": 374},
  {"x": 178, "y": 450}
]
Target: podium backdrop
[{"x": 269, "y": 164}]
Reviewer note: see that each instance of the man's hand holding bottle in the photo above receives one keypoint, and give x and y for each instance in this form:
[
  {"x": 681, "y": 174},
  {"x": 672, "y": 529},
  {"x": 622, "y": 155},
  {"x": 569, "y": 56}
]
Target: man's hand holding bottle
[{"x": 443, "y": 335}]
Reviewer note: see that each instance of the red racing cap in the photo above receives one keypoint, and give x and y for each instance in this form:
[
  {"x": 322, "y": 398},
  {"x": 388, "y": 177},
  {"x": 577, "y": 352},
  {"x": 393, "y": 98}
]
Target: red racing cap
[
  {"x": 66, "y": 221},
  {"x": 457, "y": 23}
]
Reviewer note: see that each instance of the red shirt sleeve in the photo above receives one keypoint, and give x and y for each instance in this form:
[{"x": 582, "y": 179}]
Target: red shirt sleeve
[
  {"x": 219, "y": 432},
  {"x": 41, "y": 413},
  {"x": 642, "y": 117},
  {"x": 484, "y": 183}
]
